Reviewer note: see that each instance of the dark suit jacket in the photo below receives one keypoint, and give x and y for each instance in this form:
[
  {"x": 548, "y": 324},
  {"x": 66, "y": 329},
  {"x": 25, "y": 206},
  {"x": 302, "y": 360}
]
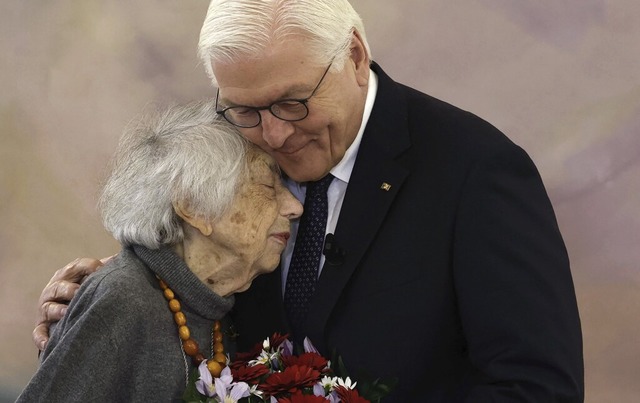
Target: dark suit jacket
[{"x": 455, "y": 280}]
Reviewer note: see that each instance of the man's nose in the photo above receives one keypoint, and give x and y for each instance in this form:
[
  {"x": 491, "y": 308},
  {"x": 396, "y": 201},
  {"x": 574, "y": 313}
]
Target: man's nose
[{"x": 275, "y": 131}]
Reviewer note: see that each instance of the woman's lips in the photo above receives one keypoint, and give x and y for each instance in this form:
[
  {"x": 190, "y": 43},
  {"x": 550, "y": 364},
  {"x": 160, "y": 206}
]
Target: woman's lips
[{"x": 282, "y": 237}]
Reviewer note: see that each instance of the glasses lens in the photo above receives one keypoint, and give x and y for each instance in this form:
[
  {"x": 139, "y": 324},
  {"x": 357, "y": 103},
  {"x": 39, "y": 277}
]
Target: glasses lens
[
  {"x": 242, "y": 116},
  {"x": 291, "y": 110}
]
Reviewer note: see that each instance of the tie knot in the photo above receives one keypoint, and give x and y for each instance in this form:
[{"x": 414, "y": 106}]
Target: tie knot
[{"x": 320, "y": 186}]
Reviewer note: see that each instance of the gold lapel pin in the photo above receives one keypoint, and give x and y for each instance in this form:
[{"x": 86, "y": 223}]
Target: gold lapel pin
[{"x": 385, "y": 186}]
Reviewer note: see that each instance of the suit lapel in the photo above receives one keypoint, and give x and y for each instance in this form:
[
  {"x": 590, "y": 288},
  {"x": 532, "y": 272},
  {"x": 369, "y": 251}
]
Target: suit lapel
[{"x": 374, "y": 183}]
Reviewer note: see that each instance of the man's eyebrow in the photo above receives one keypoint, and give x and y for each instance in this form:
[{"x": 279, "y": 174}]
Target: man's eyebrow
[
  {"x": 225, "y": 102},
  {"x": 294, "y": 92}
]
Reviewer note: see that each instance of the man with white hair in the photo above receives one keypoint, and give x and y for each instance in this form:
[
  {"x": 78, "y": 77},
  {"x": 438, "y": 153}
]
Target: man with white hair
[{"x": 445, "y": 267}]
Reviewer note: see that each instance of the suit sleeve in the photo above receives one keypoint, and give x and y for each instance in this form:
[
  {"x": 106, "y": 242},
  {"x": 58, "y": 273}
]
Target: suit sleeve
[{"x": 515, "y": 292}]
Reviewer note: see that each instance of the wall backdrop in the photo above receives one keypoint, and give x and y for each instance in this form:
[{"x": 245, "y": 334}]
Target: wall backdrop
[{"x": 560, "y": 77}]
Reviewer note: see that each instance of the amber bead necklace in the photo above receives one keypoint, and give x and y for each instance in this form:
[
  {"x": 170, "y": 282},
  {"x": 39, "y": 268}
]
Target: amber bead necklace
[{"x": 189, "y": 346}]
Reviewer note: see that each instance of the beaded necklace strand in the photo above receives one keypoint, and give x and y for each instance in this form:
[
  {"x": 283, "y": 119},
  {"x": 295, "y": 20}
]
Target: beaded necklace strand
[{"x": 189, "y": 346}]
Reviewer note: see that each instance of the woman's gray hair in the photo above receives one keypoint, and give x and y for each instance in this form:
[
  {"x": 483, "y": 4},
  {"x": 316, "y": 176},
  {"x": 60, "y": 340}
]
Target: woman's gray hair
[
  {"x": 241, "y": 29},
  {"x": 181, "y": 154}
]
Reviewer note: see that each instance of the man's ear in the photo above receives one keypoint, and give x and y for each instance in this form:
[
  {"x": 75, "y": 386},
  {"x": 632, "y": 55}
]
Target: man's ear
[
  {"x": 360, "y": 58},
  {"x": 183, "y": 210}
]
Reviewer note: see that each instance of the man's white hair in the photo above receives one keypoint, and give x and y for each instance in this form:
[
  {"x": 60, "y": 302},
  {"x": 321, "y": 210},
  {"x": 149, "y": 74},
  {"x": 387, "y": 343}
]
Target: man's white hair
[{"x": 243, "y": 29}]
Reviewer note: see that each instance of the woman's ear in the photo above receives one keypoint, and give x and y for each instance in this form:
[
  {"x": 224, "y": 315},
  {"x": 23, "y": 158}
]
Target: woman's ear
[{"x": 183, "y": 210}]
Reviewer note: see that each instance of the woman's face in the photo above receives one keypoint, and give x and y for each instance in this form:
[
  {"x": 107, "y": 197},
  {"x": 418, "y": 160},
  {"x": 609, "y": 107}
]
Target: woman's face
[{"x": 248, "y": 240}]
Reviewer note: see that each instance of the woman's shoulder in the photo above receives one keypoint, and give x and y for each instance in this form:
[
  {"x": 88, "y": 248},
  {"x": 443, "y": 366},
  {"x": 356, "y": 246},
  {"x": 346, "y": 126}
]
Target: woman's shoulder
[
  {"x": 124, "y": 283},
  {"x": 117, "y": 311}
]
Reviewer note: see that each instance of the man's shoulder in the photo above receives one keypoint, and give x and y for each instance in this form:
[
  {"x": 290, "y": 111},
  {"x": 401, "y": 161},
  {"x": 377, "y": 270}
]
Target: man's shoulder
[
  {"x": 433, "y": 122},
  {"x": 440, "y": 131},
  {"x": 449, "y": 121}
]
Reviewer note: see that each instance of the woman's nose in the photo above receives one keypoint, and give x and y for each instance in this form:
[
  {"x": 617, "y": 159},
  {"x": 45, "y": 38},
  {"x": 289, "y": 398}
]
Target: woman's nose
[
  {"x": 275, "y": 131},
  {"x": 290, "y": 207}
]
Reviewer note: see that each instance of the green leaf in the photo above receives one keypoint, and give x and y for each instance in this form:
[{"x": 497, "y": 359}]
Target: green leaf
[
  {"x": 339, "y": 369},
  {"x": 191, "y": 394},
  {"x": 376, "y": 389},
  {"x": 371, "y": 389}
]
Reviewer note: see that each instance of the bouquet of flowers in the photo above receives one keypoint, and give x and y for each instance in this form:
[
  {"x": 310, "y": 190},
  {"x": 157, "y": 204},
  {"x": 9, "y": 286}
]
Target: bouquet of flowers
[{"x": 273, "y": 373}]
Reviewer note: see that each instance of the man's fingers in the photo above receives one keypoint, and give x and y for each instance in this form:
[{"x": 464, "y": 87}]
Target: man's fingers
[
  {"x": 107, "y": 259},
  {"x": 51, "y": 312},
  {"x": 40, "y": 336},
  {"x": 77, "y": 270},
  {"x": 59, "y": 291}
]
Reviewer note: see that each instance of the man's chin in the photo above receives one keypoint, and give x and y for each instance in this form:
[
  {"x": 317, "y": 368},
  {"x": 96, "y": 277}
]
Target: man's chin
[
  {"x": 299, "y": 168},
  {"x": 301, "y": 172}
]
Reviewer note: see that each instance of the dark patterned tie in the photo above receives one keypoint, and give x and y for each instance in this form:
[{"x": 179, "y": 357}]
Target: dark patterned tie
[{"x": 305, "y": 261}]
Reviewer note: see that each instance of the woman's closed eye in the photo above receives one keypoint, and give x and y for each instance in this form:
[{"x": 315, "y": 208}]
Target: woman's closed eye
[{"x": 269, "y": 188}]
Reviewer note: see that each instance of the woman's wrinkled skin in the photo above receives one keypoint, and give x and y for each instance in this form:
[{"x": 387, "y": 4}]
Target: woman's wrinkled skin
[{"x": 228, "y": 253}]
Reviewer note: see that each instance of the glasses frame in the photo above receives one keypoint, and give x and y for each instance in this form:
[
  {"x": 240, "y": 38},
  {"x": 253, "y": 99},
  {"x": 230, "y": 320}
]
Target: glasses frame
[{"x": 257, "y": 109}]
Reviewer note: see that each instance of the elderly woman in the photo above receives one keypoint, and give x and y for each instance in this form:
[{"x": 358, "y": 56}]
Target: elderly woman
[{"x": 199, "y": 213}]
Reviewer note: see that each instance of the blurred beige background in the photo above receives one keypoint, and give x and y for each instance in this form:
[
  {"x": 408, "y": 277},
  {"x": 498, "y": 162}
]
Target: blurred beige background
[{"x": 560, "y": 77}]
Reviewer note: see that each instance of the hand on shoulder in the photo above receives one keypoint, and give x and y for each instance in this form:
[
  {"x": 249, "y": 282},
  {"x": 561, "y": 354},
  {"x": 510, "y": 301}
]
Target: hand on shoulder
[{"x": 57, "y": 294}]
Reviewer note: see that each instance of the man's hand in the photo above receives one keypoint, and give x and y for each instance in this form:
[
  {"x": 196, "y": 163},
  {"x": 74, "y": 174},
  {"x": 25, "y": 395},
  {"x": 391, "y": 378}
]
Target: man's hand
[{"x": 58, "y": 292}]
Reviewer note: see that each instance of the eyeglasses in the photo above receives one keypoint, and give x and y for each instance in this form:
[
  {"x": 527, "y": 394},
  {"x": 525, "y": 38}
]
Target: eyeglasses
[{"x": 291, "y": 110}]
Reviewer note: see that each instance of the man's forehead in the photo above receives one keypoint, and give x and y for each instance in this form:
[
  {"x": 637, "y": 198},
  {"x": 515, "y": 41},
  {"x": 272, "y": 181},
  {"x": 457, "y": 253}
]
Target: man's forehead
[
  {"x": 263, "y": 92},
  {"x": 283, "y": 72}
]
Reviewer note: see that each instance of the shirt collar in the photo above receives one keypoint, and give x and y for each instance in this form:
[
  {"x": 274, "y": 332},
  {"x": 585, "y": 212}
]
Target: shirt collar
[{"x": 343, "y": 169}]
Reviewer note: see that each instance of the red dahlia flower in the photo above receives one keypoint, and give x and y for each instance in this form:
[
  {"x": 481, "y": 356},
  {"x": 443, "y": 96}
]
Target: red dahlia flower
[
  {"x": 290, "y": 380},
  {"x": 277, "y": 339},
  {"x": 312, "y": 360},
  {"x": 349, "y": 395},
  {"x": 298, "y": 397},
  {"x": 250, "y": 375}
]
